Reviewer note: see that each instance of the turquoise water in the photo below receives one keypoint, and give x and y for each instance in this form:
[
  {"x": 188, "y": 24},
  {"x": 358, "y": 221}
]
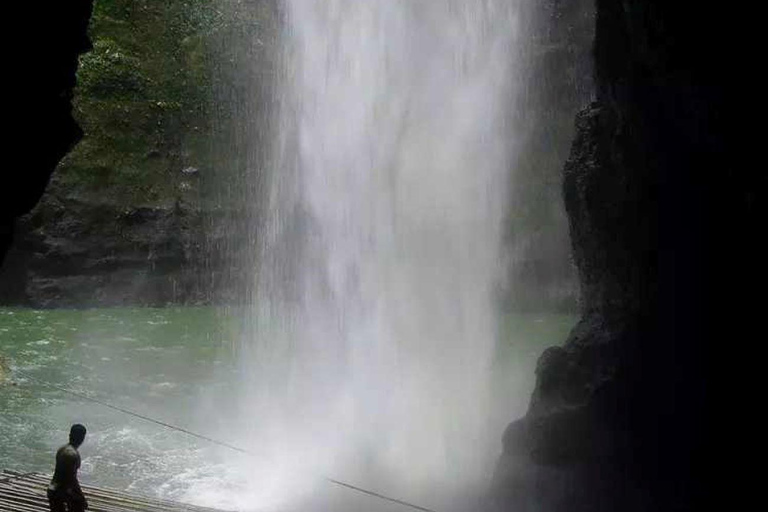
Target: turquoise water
[
  {"x": 160, "y": 362},
  {"x": 177, "y": 365}
]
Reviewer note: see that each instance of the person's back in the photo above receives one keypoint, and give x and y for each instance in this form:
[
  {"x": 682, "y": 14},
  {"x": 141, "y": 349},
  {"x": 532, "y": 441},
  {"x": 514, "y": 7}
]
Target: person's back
[
  {"x": 64, "y": 493},
  {"x": 67, "y": 464}
]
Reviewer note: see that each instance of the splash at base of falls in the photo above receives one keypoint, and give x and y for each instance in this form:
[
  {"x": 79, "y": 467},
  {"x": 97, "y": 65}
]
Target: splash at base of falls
[{"x": 368, "y": 351}]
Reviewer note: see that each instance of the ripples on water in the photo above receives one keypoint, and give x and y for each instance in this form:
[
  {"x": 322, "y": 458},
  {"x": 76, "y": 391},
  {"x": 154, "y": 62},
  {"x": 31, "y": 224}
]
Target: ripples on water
[
  {"x": 175, "y": 365},
  {"x": 160, "y": 369}
]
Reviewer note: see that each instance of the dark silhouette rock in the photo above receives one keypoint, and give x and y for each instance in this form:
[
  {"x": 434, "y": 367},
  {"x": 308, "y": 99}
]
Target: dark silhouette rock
[
  {"x": 663, "y": 226},
  {"x": 40, "y": 129}
]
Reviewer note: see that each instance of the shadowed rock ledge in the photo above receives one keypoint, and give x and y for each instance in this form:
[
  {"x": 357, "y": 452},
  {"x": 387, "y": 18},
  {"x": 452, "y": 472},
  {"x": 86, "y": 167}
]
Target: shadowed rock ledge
[{"x": 664, "y": 233}]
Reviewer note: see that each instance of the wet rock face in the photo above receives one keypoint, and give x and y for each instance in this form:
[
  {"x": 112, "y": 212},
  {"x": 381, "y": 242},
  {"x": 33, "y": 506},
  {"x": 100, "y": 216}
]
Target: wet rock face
[
  {"x": 41, "y": 66},
  {"x": 663, "y": 232},
  {"x": 74, "y": 253}
]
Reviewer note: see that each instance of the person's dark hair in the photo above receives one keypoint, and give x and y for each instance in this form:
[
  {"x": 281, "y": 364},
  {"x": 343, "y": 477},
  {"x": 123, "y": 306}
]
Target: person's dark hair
[{"x": 77, "y": 434}]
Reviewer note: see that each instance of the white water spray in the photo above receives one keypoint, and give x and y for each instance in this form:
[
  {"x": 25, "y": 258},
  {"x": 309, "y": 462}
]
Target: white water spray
[{"x": 379, "y": 255}]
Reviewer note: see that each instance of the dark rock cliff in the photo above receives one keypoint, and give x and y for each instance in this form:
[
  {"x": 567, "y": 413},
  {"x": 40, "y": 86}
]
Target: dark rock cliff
[
  {"x": 39, "y": 126},
  {"x": 665, "y": 232},
  {"x": 74, "y": 253}
]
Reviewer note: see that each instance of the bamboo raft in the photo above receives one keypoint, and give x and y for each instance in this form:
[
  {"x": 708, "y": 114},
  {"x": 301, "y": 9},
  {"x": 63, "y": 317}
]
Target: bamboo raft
[{"x": 26, "y": 492}]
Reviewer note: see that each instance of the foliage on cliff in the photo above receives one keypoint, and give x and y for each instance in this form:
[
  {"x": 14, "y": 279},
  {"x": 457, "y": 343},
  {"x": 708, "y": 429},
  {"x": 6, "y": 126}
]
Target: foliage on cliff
[{"x": 143, "y": 100}]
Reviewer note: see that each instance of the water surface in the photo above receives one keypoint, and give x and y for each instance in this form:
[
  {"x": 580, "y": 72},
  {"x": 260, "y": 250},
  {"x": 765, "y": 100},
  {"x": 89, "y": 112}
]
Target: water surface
[{"x": 177, "y": 365}]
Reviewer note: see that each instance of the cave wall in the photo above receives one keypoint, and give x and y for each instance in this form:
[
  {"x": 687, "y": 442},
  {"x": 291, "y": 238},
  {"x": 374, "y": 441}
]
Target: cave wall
[
  {"x": 665, "y": 231},
  {"x": 40, "y": 130}
]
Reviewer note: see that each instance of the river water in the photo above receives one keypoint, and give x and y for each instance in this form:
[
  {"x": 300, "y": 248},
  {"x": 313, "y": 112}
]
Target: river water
[{"x": 178, "y": 366}]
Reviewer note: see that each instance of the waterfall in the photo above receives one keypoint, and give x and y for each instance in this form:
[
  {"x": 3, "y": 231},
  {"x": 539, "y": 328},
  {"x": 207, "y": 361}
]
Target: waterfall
[{"x": 374, "y": 324}]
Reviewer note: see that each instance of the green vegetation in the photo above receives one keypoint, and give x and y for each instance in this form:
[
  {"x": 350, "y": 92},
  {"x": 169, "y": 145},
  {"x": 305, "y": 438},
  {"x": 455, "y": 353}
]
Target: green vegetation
[
  {"x": 156, "y": 95},
  {"x": 143, "y": 100}
]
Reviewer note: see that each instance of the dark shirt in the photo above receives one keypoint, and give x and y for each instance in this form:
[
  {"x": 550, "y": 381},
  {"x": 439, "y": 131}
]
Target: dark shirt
[{"x": 65, "y": 476}]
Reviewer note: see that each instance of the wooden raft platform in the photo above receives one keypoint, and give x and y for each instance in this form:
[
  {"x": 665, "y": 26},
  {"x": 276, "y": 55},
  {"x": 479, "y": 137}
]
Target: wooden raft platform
[{"x": 26, "y": 492}]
